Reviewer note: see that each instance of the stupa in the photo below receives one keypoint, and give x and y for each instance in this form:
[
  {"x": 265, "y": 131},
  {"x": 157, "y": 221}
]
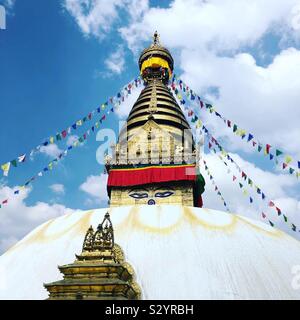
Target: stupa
[{"x": 173, "y": 248}]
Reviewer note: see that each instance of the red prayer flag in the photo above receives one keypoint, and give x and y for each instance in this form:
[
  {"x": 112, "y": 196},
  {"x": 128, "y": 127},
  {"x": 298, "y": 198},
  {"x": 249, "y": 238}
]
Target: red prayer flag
[
  {"x": 271, "y": 204},
  {"x": 284, "y": 165},
  {"x": 268, "y": 147}
]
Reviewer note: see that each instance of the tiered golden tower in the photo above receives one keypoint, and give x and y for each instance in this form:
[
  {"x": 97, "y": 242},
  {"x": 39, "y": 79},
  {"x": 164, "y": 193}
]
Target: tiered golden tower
[
  {"x": 154, "y": 161},
  {"x": 99, "y": 272}
]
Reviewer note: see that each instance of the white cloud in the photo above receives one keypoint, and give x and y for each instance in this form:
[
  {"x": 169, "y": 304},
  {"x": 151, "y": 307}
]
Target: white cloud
[
  {"x": 57, "y": 188},
  {"x": 116, "y": 61},
  {"x": 96, "y": 17},
  {"x": 51, "y": 150},
  {"x": 260, "y": 100},
  {"x": 71, "y": 139},
  {"x": 95, "y": 186},
  {"x": 17, "y": 218},
  {"x": 215, "y": 24}
]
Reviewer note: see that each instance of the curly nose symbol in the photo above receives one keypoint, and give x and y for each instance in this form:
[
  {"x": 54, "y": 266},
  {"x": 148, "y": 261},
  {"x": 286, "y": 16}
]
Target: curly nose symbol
[{"x": 151, "y": 202}]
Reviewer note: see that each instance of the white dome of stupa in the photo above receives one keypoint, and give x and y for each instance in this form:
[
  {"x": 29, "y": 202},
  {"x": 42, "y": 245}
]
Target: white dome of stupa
[{"x": 177, "y": 253}]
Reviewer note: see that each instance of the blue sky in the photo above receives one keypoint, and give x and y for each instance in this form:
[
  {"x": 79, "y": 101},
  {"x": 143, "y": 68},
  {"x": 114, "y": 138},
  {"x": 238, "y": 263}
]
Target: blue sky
[
  {"x": 60, "y": 59},
  {"x": 48, "y": 81}
]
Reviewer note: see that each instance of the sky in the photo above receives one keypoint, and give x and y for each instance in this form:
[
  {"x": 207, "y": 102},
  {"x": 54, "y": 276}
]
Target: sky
[{"x": 60, "y": 59}]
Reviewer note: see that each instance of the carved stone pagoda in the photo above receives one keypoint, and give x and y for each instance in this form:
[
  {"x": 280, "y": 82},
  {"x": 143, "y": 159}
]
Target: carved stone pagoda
[
  {"x": 154, "y": 161},
  {"x": 99, "y": 272}
]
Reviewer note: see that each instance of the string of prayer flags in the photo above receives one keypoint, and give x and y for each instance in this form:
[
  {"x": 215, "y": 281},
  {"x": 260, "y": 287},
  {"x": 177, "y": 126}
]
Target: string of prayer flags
[
  {"x": 59, "y": 136},
  {"x": 245, "y": 176},
  {"x": 180, "y": 88},
  {"x": 246, "y": 193},
  {"x": 50, "y": 166},
  {"x": 217, "y": 190}
]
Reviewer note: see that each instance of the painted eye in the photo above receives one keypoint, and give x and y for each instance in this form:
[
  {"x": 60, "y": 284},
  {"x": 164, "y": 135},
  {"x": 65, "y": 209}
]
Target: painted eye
[
  {"x": 139, "y": 195},
  {"x": 164, "y": 194}
]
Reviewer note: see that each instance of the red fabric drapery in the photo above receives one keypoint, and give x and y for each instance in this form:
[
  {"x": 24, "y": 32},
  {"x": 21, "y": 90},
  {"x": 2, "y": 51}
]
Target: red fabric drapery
[{"x": 154, "y": 174}]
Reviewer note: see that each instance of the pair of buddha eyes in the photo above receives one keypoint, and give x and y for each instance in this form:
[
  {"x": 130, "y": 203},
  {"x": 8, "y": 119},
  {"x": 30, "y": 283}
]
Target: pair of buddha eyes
[{"x": 143, "y": 195}]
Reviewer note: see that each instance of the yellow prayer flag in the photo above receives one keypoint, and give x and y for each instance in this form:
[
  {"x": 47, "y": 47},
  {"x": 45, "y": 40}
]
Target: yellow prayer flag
[
  {"x": 288, "y": 159},
  {"x": 199, "y": 124},
  {"x": 5, "y": 167}
]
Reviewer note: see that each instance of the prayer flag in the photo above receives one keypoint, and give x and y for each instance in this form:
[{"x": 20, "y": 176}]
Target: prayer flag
[{"x": 5, "y": 167}]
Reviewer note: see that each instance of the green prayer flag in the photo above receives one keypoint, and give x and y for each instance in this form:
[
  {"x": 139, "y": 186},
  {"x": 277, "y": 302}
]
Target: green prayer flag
[
  {"x": 292, "y": 170},
  {"x": 278, "y": 153},
  {"x": 58, "y": 137},
  {"x": 235, "y": 127},
  {"x": 285, "y": 218},
  {"x": 14, "y": 163},
  {"x": 271, "y": 223}
]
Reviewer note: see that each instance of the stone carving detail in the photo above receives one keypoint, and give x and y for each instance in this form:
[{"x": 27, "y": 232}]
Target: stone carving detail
[{"x": 88, "y": 240}]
